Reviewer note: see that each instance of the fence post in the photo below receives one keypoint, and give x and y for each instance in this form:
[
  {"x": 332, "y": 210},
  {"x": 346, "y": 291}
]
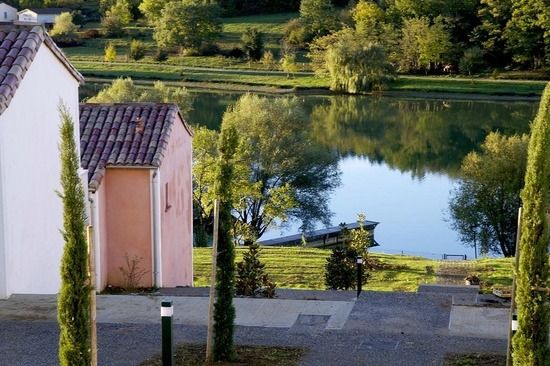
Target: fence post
[{"x": 166, "y": 313}]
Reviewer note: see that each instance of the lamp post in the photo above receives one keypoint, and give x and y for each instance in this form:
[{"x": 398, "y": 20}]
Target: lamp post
[{"x": 359, "y": 274}]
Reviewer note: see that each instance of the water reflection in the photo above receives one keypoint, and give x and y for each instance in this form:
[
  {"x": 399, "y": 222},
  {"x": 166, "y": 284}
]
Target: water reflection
[{"x": 415, "y": 136}]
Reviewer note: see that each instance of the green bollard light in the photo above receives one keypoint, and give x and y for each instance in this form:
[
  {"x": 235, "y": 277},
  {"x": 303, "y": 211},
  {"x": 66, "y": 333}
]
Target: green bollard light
[{"x": 166, "y": 312}]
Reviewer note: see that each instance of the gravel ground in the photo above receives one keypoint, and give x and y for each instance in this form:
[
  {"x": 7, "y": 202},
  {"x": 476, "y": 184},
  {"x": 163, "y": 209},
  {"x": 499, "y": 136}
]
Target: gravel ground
[{"x": 34, "y": 343}]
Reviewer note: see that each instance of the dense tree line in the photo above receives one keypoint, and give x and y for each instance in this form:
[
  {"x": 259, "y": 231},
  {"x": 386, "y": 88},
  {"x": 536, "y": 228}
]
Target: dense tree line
[{"x": 436, "y": 35}]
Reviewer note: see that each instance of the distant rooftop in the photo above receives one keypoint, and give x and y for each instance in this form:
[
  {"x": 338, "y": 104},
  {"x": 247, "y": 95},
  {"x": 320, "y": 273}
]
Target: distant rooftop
[{"x": 316, "y": 235}]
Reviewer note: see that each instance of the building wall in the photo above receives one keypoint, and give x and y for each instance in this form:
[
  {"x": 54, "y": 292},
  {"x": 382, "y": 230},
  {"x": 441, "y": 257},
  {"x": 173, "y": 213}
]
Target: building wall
[
  {"x": 100, "y": 235},
  {"x": 27, "y": 16},
  {"x": 127, "y": 224},
  {"x": 47, "y": 18},
  {"x": 7, "y": 13},
  {"x": 29, "y": 160},
  {"x": 177, "y": 209}
]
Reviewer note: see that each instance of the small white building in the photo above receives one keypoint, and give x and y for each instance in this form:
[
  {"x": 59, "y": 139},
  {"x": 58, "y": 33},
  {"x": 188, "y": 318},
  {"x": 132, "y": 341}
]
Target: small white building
[
  {"x": 7, "y": 13},
  {"x": 40, "y": 15},
  {"x": 35, "y": 77}
]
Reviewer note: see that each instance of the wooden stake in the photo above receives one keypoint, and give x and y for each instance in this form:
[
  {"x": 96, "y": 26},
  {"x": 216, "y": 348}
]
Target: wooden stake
[
  {"x": 93, "y": 329},
  {"x": 212, "y": 298},
  {"x": 513, "y": 300}
]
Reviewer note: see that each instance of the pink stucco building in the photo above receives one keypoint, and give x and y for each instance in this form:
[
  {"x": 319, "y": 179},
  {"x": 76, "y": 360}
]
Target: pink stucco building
[{"x": 138, "y": 157}]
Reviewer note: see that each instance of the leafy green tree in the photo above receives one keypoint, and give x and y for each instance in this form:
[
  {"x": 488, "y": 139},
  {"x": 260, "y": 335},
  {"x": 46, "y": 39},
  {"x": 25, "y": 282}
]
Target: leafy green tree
[
  {"x": 530, "y": 343},
  {"x": 528, "y": 32},
  {"x": 152, "y": 9},
  {"x": 204, "y": 163},
  {"x": 123, "y": 90},
  {"x": 472, "y": 60},
  {"x": 188, "y": 24},
  {"x": 64, "y": 30},
  {"x": 224, "y": 311},
  {"x": 288, "y": 64},
  {"x": 110, "y": 53},
  {"x": 318, "y": 16},
  {"x": 137, "y": 50},
  {"x": 493, "y": 16},
  {"x": 73, "y": 307},
  {"x": 434, "y": 44},
  {"x": 116, "y": 18},
  {"x": 483, "y": 209},
  {"x": 272, "y": 185},
  {"x": 353, "y": 65},
  {"x": 423, "y": 45},
  {"x": 252, "y": 43}
]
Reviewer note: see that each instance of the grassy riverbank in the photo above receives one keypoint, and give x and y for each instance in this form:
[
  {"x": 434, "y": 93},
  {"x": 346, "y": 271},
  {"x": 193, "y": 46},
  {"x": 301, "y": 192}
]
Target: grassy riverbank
[
  {"x": 304, "y": 268},
  {"x": 235, "y": 73}
]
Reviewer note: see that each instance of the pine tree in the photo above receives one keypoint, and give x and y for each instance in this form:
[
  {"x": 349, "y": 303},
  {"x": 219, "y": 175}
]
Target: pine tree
[
  {"x": 251, "y": 276},
  {"x": 531, "y": 340},
  {"x": 224, "y": 311},
  {"x": 73, "y": 308}
]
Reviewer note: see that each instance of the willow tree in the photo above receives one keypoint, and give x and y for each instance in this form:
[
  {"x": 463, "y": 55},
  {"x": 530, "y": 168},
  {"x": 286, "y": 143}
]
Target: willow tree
[
  {"x": 73, "y": 307},
  {"x": 531, "y": 340},
  {"x": 224, "y": 311}
]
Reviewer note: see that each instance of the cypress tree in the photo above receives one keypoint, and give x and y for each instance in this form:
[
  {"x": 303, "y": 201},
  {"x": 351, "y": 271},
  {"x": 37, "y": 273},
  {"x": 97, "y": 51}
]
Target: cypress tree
[
  {"x": 224, "y": 311},
  {"x": 531, "y": 339},
  {"x": 73, "y": 307}
]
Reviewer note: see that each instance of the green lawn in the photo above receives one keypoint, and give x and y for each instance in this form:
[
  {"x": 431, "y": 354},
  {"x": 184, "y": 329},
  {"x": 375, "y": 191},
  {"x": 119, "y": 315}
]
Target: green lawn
[
  {"x": 304, "y": 268},
  {"x": 467, "y": 85}
]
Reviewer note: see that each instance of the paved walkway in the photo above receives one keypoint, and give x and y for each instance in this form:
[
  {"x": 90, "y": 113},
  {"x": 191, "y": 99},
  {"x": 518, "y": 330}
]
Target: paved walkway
[{"x": 376, "y": 329}]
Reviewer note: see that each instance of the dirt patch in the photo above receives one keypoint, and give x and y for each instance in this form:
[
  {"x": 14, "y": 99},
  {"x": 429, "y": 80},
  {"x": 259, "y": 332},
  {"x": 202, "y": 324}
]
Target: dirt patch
[
  {"x": 475, "y": 359},
  {"x": 194, "y": 354}
]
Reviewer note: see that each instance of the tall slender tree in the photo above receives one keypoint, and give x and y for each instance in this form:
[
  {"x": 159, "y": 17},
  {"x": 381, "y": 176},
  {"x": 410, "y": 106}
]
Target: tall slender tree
[
  {"x": 224, "y": 311},
  {"x": 531, "y": 340},
  {"x": 73, "y": 308}
]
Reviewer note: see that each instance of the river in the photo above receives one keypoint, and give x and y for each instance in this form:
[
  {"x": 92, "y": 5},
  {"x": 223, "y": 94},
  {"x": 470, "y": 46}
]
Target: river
[{"x": 398, "y": 157}]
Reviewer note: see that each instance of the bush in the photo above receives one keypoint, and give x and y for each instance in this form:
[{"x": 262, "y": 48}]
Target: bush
[
  {"x": 209, "y": 49},
  {"x": 137, "y": 50},
  {"x": 160, "y": 55},
  {"x": 253, "y": 43},
  {"x": 296, "y": 34},
  {"x": 341, "y": 272},
  {"x": 251, "y": 277},
  {"x": 110, "y": 53},
  {"x": 112, "y": 26},
  {"x": 91, "y": 33},
  {"x": 235, "y": 53}
]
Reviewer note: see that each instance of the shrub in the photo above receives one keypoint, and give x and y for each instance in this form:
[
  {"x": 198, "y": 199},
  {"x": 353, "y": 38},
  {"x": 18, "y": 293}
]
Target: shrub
[
  {"x": 209, "y": 49},
  {"x": 341, "y": 272},
  {"x": 235, "y": 53},
  {"x": 296, "y": 34},
  {"x": 251, "y": 277},
  {"x": 253, "y": 43},
  {"x": 110, "y": 53},
  {"x": 112, "y": 26},
  {"x": 91, "y": 33},
  {"x": 137, "y": 50},
  {"x": 160, "y": 55},
  {"x": 268, "y": 60}
]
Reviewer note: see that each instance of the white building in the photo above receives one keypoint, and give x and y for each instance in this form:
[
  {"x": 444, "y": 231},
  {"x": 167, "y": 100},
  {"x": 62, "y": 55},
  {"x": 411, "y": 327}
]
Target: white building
[
  {"x": 7, "y": 13},
  {"x": 35, "y": 77},
  {"x": 40, "y": 15}
]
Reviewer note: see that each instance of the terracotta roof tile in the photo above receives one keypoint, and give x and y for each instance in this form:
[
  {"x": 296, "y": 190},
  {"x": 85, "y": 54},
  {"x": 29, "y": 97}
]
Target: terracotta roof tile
[
  {"x": 18, "y": 47},
  {"x": 110, "y": 136}
]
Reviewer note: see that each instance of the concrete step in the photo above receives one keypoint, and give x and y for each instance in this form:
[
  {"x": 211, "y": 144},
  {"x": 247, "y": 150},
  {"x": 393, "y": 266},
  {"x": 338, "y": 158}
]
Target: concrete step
[{"x": 448, "y": 289}]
